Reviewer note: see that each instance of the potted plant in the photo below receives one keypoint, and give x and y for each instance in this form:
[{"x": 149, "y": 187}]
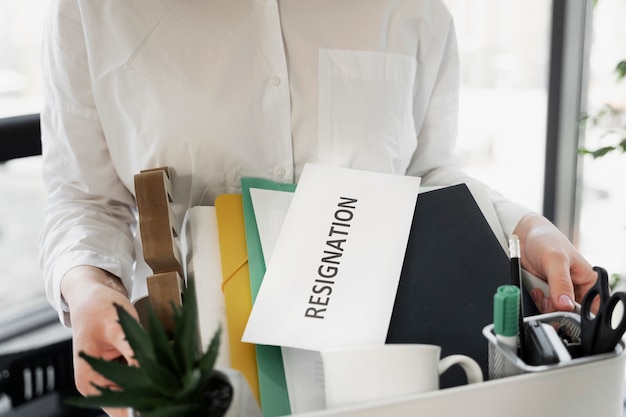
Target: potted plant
[
  {"x": 173, "y": 376},
  {"x": 610, "y": 122}
]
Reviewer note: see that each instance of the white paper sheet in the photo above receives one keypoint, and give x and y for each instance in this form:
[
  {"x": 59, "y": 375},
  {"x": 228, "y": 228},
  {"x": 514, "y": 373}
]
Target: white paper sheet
[
  {"x": 303, "y": 368},
  {"x": 337, "y": 261},
  {"x": 270, "y": 209}
]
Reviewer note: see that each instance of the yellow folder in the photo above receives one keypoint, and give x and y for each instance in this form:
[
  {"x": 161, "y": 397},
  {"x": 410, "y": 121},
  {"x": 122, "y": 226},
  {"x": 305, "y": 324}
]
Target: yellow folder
[{"x": 236, "y": 285}]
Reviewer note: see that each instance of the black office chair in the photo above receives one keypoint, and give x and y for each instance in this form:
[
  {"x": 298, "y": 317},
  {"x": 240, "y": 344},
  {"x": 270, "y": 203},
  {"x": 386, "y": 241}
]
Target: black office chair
[
  {"x": 36, "y": 371},
  {"x": 19, "y": 137}
]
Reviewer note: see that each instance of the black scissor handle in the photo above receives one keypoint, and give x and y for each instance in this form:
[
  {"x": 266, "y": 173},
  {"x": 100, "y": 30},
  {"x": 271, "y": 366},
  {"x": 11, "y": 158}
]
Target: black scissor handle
[
  {"x": 597, "y": 333},
  {"x": 607, "y": 336},
  {"x": 588, "y": 323}
]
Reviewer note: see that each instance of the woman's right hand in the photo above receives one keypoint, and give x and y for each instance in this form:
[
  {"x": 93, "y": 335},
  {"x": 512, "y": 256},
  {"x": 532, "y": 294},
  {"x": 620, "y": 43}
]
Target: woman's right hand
[{"x": 91, "y": 294}]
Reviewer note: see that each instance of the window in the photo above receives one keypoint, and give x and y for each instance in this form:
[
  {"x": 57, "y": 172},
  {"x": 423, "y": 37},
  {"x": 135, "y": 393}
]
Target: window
[
  {"x": 21, "y": 214},
  {"x": 504, "y": 50},
  {"x": 21, "y": 205},
  {"x": 603, "y": 208},
  {"x": 20, "y": 69}
]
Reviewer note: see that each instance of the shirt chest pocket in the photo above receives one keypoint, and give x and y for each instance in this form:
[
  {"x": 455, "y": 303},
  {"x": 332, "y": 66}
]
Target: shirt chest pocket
[{"x": 365, "y": 114}]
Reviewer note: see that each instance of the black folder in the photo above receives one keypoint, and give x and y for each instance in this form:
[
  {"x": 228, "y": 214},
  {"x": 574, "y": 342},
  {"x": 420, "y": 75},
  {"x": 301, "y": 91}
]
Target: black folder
[{"x": 452, "y": 267}]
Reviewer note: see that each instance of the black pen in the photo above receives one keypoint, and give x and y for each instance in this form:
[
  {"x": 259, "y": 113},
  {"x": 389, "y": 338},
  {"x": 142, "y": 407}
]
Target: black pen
[{"x": 516, "y": 278}]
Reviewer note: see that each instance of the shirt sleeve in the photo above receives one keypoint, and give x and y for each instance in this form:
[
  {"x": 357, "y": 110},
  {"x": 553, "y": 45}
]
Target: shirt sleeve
[
  {"x": 89, "y": 217},
  {"x": 435, "y": 159}
]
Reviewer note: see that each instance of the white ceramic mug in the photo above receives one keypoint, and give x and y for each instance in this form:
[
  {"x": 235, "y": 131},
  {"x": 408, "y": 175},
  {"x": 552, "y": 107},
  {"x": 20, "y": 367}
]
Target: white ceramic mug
[{"x": 363, "y": 374}]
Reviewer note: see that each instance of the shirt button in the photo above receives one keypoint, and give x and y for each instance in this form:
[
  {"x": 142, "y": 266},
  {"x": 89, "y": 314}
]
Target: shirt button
[
  {"x": 274, "y": 80},
  {"x": 279, "y": 172}
]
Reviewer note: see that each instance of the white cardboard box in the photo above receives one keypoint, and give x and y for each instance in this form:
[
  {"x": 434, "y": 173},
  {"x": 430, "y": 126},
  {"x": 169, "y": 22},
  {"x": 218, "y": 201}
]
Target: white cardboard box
[{"x": 590, "y": 389}]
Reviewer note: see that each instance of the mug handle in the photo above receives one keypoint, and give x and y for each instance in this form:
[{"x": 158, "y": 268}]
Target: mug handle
[{"x": 472, "y": 370}]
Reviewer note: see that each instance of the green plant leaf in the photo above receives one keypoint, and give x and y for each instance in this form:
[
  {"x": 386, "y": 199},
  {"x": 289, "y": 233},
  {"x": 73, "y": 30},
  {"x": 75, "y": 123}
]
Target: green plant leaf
[
  {"x": 620, "y": 69},
  {"x": 207, "y": 361},
  {"x": 608, "y": 110},
  {"x": 110, "y": 398},
  {"x": 614, "y": 280},
  {"x": 178, "y": 410},
  {"x": 127, "y": 377},
  {"x": 83, "y": 402},
  {"x": 185, "y": 342},
  {"x": 137, "y": 337},
  {"x": 192, "y": 387},
  {"x": 141, "y": 343},
  {"x": 163, "y": 351},
  {"x": 598, "y": 153},
  {"x": 585, "y": 118},
  {"x": 164, "y": 380}
]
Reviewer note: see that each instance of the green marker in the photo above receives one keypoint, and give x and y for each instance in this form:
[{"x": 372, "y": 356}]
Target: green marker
[{"x": 506, "y": 315}]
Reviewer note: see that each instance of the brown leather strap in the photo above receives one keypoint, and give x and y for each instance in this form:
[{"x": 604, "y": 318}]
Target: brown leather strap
[
  {"x": 158, "y": 227},
  {"x": 164, "y": 291}
]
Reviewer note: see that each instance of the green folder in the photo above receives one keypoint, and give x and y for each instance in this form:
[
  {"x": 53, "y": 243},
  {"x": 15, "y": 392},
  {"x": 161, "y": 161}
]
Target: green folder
[{"x": 272, "y": 383}]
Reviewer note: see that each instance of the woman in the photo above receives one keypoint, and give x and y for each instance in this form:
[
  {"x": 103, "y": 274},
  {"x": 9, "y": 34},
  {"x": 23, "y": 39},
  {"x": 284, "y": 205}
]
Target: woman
[{"x": 224, "y": 89}]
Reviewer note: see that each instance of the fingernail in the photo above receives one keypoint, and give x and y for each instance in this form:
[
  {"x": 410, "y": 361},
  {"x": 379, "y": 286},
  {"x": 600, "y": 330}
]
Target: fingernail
[
  {"x": 545, "y": 304},
  {"x": 566, "y": 301}
]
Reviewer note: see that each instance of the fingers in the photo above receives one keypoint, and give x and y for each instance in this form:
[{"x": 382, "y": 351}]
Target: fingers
[
  {"x": 107, "y": 342},
  {"x": 92, "y": 295},
  {"x": 543, "y": 303},
  {"x": 115, "y": 336},
  {"x": 583, "y": 277},
  {"x": 560, "y": 284},
  {"x": 85, "y": 377},
  {"x": 554, "y": 267},
  {"x": 548, "y": 254},
  {"x": 571, "y": 277}
]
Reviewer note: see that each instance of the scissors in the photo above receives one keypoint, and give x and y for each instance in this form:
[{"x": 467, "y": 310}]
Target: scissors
[{"x": 597, "y": 332}]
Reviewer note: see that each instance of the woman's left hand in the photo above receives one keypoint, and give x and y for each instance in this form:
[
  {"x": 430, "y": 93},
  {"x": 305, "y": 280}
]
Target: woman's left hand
[{"x": 549, "y": 255}]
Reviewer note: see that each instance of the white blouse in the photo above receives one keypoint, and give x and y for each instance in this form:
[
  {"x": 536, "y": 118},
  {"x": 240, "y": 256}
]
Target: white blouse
[{"x": 220, "y": 89}]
